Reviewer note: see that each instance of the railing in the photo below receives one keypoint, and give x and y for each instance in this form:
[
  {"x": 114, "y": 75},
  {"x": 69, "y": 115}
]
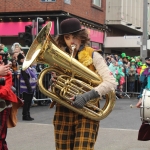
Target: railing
[
  {"x": 40, "y": 96},
  {"x": 127, "y": 90}
]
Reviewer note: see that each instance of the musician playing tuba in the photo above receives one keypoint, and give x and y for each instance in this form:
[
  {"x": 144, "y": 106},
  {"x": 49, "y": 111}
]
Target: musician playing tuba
[{"x": 74, "y": 131}]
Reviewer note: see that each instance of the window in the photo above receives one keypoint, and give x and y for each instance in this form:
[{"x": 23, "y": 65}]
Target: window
[
  {"x": 97, "y": 3},
  {"x": 96, "y": 45},
  {"x": 67, "y": 1}
]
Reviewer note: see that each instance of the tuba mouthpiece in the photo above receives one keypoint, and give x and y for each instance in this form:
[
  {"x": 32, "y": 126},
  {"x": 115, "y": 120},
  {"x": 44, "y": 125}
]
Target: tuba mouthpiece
[{"x": 73, "y": 46}]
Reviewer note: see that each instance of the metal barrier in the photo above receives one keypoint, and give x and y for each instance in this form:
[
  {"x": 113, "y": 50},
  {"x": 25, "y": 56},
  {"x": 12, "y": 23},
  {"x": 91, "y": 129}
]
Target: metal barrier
[
  {"x": 127, "y": 91},
  {"x": 40, "y": 96},
  {"x": 37, "y": 94}
]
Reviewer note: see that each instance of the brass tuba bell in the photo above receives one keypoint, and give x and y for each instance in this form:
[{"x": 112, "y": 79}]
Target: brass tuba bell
[{"x": 72, "y": 77}]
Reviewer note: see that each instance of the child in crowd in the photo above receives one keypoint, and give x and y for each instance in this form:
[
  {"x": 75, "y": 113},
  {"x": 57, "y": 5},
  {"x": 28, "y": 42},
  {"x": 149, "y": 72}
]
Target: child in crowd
[{"x": 121, "y": 79}]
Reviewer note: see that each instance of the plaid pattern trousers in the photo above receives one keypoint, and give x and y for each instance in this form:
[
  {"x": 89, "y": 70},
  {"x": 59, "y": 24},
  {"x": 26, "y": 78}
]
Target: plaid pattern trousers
[
  {"x": 3, "y": 128},
  {"x": 74, "y": 131}
]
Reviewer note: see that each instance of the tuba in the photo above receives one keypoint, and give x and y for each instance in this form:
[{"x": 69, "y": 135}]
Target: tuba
[{"x": 72, "y": 77}]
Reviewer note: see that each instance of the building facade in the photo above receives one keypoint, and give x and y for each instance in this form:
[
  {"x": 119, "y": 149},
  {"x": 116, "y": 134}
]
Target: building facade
[
  {"x": 16, "y": 14},
  {"x": 125, "y": 19}
]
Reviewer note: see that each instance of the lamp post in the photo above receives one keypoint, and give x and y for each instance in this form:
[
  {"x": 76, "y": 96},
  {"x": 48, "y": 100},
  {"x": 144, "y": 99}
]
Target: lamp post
[{"x": 143, "y": 51}]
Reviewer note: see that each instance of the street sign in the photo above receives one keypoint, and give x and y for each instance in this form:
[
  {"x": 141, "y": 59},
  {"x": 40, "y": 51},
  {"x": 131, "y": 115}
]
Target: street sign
[
  {"x": 148, "y": 44},
  {"x": 144, "y": 47},
  {"x": 132, "y": 37}
]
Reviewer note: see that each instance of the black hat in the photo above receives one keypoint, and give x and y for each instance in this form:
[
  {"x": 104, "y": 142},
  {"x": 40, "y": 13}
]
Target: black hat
[
  {"x": 147, "y": 58},
  {"x": 70, "y": 25},
  {"x": 19, "y": 57}
]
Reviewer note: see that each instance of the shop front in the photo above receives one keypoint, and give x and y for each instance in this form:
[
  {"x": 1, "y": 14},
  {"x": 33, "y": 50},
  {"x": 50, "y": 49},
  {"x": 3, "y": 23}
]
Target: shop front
[
  {"x": 96, "y": 38},
  {"x": 9, "y": 32}
]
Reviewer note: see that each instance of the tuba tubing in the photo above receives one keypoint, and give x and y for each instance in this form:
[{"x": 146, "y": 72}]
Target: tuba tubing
[
  {"x": 85, "y": 111},
  {"x": 45, "y": 50}
]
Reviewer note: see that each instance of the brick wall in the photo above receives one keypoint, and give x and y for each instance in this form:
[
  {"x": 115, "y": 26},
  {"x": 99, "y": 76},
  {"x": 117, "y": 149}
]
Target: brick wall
[{"x": 80, "y": 8}]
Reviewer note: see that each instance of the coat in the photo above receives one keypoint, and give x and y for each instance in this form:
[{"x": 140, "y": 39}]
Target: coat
[{"x": 5, "y": 90}]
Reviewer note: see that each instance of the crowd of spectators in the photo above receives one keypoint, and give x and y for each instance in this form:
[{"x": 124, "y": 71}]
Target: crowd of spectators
[
  {"x": 124, "y": 68},
  {"x": 12, "y": 60},
  {"x": 127, "y": 71}
]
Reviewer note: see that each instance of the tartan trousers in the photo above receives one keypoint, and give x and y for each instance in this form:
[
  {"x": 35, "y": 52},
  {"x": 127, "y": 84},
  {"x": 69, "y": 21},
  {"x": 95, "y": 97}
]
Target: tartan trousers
[
  {"x": 74, "y": 131},
  {"x": 3, "y": 128}
]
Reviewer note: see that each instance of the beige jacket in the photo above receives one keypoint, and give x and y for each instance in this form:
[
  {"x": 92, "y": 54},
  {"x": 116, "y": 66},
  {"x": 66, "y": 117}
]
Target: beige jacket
[{"x": 109, "y": 82}]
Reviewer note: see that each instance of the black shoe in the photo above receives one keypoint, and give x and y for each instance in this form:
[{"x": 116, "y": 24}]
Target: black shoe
[
  {"x": 27, "y": 118},
  {"x": 31, "y": 118}
]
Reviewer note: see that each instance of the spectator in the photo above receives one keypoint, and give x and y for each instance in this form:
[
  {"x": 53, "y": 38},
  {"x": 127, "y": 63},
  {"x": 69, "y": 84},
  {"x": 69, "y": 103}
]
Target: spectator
[
  {"x": 113, "y": 68},
  {"x": 27, "y": 86},
  {"x": 120, "y": 78},
  {"x": 131, "y": 80},
  {"x": 33, "y": 68},
  {"x": 15, "y": 45},
  {"x": 16, "y": 72},
  {"x": 16, "y": 49},
  {"x": 14, "y": 66},
  {"x": 108, "y": 60},
  {"x": 139, "y": 68},
  {"x": 132, "y": 64}
]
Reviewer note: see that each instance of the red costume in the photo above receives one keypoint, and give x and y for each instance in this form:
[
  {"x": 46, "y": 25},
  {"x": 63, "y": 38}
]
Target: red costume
[
  {"x": 5, "y": 90},
  {"x": 6, "y": 94}
]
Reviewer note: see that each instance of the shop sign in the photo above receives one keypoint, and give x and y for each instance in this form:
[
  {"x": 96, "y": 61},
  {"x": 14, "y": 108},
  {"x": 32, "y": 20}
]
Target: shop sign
[
  {"x": 95, "y": 35},
  {"x": 13, "y": 28}
]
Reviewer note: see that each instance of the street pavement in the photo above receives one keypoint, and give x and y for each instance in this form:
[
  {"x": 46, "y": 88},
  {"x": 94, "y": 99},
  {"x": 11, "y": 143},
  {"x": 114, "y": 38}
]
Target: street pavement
[{"x": 118, "y": 131}]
